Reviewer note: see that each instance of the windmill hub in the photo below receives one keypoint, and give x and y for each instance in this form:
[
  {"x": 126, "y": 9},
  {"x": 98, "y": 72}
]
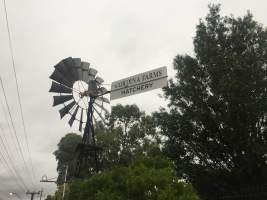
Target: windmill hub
[
  {"x": 76, "y": 82},
  {"x": 84, "y": 94},
  {"x": 79, "y": 89},
  {"x": 87, "y": 93}
]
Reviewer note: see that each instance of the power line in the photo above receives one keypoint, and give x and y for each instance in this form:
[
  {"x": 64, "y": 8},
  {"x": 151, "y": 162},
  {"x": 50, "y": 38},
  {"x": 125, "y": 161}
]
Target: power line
[
  {"x": 6, "y": 145},
  {"x": 13, "y": 127},
  {"x": 18, "y": 91},
  {"x": 5, "y": 154},
  {"x": 11, "y": 172},
  {"x": 11, "y": 168}
]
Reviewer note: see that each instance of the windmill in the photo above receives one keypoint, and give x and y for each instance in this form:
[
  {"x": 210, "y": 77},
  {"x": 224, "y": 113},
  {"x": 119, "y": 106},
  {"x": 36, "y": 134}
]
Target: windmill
[{"x": 80, "y": 93}]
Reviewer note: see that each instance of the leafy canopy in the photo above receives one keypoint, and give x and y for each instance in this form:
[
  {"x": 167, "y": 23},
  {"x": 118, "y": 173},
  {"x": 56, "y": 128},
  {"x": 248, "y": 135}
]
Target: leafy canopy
[
  {"x": 130, "y": 133},
  {"x": 65, "y": 155},
  {"x": 146, "y": 179},
  {"x": 217, "y": 123}
]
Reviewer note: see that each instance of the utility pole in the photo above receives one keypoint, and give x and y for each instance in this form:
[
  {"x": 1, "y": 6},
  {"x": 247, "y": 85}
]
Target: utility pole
[
  {"x": 41, "y": 194},
  {"x": 65, "y": 180},
  {"x": 32, "y": 194}
]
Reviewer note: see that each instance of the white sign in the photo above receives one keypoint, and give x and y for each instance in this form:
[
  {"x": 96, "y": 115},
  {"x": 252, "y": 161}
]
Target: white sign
[{"x": 139, "y": 83}]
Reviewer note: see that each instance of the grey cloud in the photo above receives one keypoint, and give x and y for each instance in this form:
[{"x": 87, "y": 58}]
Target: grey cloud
[{"x": 120, "y": 38}]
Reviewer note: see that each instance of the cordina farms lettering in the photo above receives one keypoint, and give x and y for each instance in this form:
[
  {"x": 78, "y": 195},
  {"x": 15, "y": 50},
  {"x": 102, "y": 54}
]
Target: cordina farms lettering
[{"x": 142, "y": 78}]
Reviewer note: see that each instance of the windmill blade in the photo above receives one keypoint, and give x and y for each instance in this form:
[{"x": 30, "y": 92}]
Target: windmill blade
[
  {"x": 70, "y": 63},
  {"x": 102, "y": 91},
  {"x": 81, "y": 122},
  {"x": 92, "y": 71},
  {"x": 91, "y": 78},
  {"x": 63, "y": 111},
  {"x": 61, "y": 99},
  {"x": 101, "y": 107},
  {"x": 103, "y": 99},
  {"x": 85, "y": 66},
  {"x": 79, "y": 73},
  {"x": 73, "y": 116},
  {"x": 58, "y": 77},
  {"x": 85, "y": 69},
  {"x": 78, "y": 66},
  {"x": 77, "y": 62},
  {"x": 99, "y": 80},
  {"x": 103, "y": 119},
  {"x": 65, "y": 70},
  {"x": 59, "y": 88},
  {"x": 60, "y": 66}
]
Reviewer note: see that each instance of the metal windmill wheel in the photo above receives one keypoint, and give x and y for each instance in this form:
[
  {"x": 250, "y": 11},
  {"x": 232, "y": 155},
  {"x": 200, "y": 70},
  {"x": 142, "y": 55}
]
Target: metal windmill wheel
[
  {"x": 76, "y": 83},
  {"x": 80, "y": 92}
]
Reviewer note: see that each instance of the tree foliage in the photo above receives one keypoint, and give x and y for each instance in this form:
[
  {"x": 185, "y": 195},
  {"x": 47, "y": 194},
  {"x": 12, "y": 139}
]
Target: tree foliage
[
  {"x": 145, "y": 179},
  {"x": 217, "y": 122},
  {"x": 130, "y": 133},
  {"x": 65, "y": 155}
]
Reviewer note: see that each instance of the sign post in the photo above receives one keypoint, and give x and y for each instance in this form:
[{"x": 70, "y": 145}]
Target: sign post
[{"x": 139, "y": 83}]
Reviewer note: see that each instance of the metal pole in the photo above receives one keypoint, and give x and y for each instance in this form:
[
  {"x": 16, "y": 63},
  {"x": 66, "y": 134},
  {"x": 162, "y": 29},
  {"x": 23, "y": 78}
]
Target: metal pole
[
  {"x": 87, "y": 130},
  {"x": 32, "y": 194},
  {"x": 41, "y": 194},
  {"x": 65, "y": 180}
]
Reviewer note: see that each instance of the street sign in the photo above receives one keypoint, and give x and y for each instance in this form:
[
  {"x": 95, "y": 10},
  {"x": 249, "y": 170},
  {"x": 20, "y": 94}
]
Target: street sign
[{"x": 139, "y": 83}]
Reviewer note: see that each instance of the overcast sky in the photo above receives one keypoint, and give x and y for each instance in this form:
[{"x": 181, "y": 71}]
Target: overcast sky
[{"x": 119, "y": 38}]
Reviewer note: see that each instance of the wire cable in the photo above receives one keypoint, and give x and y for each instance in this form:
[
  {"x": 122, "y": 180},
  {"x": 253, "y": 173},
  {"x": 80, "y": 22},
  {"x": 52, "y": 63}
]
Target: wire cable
[
  {"x": 13, "y": 127},
  {"x": 6, "y": 146},
  {"x": 11, "y": 168},
  {"x": 18, "y": 91}
]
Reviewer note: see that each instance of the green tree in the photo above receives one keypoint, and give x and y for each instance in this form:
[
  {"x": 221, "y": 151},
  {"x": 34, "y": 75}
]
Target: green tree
[
  {"x": 130, "y": 133},
  {"x": 65, "y": 155},
  {"x": 217, "y": 119},
  {"x": 146, "y": 179},
  {"x": 49, "y": 197}
]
